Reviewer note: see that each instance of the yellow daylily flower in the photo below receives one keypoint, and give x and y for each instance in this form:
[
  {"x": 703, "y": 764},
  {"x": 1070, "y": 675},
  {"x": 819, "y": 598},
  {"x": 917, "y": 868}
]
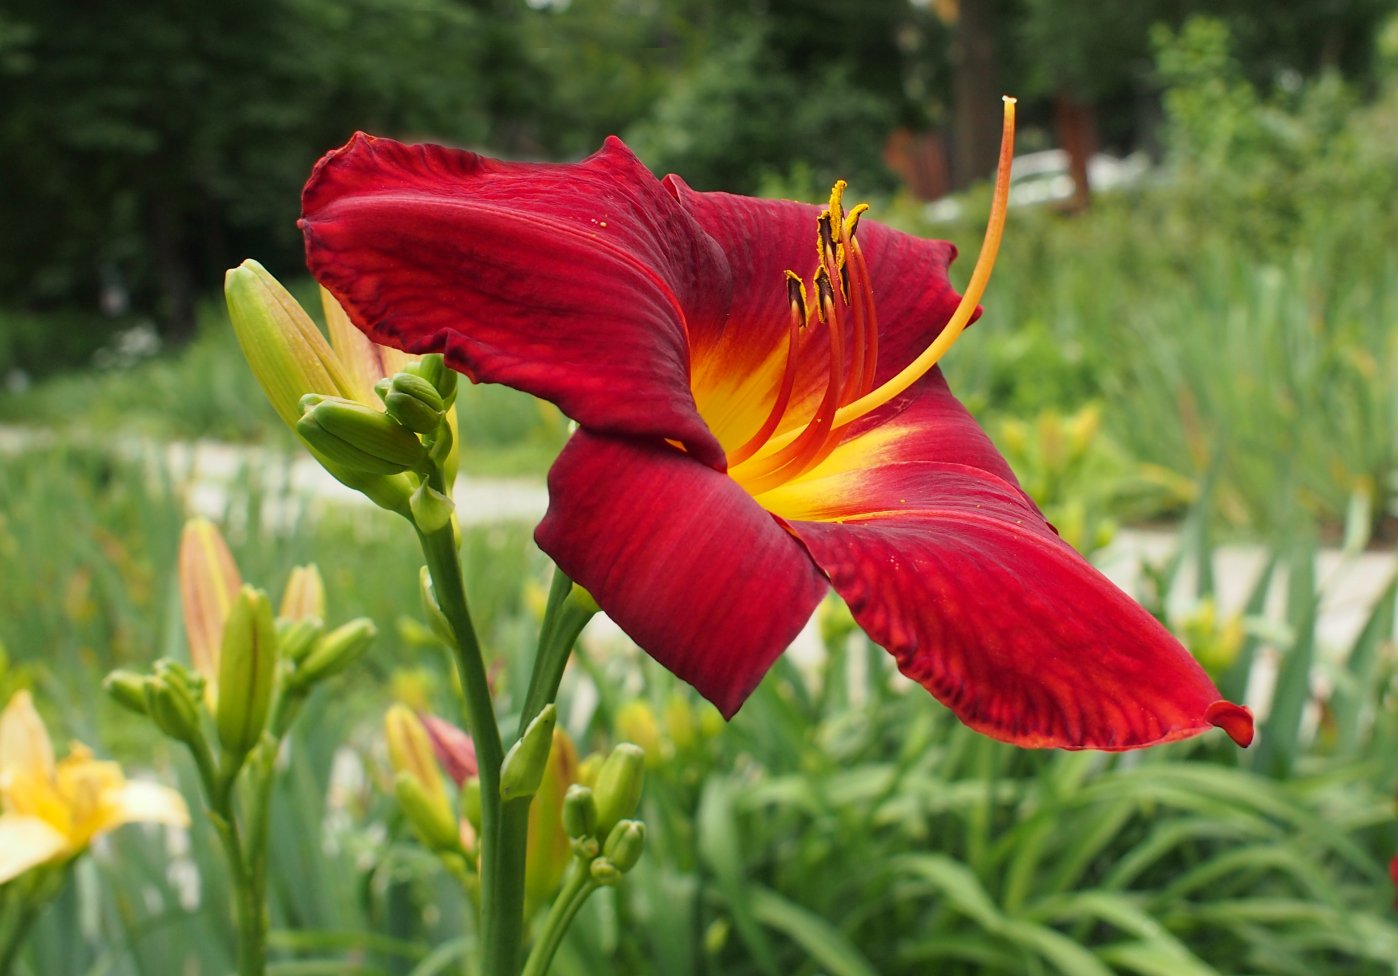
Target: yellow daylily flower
[{"x": 50, "y": 810}]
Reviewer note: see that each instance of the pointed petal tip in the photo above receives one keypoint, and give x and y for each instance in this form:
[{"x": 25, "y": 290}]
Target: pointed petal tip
[{"x": 1236, "y": 720}]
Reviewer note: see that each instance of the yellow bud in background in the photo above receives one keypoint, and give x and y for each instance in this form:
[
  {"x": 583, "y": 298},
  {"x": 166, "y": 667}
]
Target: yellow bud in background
[
  {"x": 1214, "y": 643},
  {"x": 680, "y": 722},
  {"x": 410, "y": 752},
  {"x": 209, "y": 583},
  {"x": 430, "y": 816},
  {"x": 549, "y": 847},
  {"x": 304, "y": 596},
  {"x": 246, "y": 673},
  {"x": 636, "y": 722},
  {"x": 589, "y": 768}
]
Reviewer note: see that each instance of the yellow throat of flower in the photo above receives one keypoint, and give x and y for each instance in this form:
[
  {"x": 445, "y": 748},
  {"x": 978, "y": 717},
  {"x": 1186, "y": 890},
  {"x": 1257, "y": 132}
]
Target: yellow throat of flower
[{"x": 844, "y": 304}]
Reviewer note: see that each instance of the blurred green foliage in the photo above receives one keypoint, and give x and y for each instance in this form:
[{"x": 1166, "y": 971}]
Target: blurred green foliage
[
  {"x": 150, "y": 145},
  {"x": 843, "y": 823}
]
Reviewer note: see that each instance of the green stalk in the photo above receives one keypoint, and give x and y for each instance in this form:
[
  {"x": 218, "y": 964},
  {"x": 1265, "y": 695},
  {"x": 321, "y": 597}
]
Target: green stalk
[
  {"x": 565, "y": 908},
  {"x": 502, "y": 872},
  {"x": 568, "y": 611},
  {"x": 248, "y": 911}
]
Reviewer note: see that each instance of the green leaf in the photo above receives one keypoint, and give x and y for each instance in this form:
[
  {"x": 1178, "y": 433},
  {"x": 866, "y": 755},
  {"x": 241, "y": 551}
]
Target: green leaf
[{"x": 825, "y": 944}]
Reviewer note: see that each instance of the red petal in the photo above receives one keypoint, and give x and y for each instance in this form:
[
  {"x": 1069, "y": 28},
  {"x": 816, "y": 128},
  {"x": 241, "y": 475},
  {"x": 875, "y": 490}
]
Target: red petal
[
  {"x": 762, "y": 239},
  {"x": 979, "y": 601},
  {"x": 927, "y": 423},
  {"x": 571, "y": 282},
  {"x": 683, "y": 560}
]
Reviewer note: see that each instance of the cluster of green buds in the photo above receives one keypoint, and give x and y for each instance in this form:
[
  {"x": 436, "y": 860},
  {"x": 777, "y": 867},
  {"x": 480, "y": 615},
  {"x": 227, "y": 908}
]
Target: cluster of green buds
[
  {"x": 250, "y": 668},
  {"x": 540, "y": 766},
  {"x": 378, "y": 422},
  {"x": 606, "y": 842}
]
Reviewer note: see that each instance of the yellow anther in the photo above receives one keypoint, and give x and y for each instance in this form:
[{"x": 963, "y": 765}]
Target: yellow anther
[
  {"x": 837, "y": 208},
  {"x": 796, "y": 296},
  {"x": 852, "y": 221}
]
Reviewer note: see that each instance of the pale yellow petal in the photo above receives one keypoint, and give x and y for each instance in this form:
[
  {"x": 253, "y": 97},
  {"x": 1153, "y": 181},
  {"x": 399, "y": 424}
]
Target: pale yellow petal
[
  {"x": 25, "y": 747},
  {"x": 138, "y": 802},
  {"x": 27, "y": 842}
]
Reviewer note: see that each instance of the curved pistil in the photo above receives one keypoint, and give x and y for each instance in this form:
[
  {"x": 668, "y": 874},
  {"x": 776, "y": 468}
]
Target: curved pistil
[{"x": 845, "y": 299}]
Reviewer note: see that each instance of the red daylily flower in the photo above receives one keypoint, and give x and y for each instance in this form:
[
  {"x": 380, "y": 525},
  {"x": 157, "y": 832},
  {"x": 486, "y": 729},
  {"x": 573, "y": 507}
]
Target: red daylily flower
[{"x": 740, "y": 450}]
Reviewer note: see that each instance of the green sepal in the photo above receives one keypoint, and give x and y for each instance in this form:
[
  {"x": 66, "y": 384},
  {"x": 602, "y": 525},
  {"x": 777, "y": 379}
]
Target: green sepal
[
  {"x": 436, "y": 619},
  {"x": 523, "y": 768},
  {"x": 431, "y": 509}
]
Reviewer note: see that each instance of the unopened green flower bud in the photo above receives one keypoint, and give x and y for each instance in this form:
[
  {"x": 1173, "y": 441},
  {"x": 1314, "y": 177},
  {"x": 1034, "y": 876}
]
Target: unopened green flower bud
[
  {"x": 604, "y": 872},
  {"x": 435, "y": 370},
  {"x": 429, "y": 813},
  {"x": 436, "y": 619},
  {"x": 618, "y": 787},
  {"x": 414, "y": 402},
  {"x": 172, "y": 708},
  {"x": 636, "y": 722},
  {"x": 523, "y": 768},
  {"x": 128, "y": 690},
  {"x": 296, "y": 638},
  {"x": 579, "y": 812},
  {"x": 334, "y": 652},
  {"x": 625, "y": 844},
  {"x": 247, "y": 668},
  {"x": 431, "y": 509},
  {"x": 357, "y": 436},
  {"x": 286, "y": 351},
  {"x": 586, "y": 848}
]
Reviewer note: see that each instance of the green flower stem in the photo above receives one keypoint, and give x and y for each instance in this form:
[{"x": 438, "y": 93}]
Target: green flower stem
[
  {"x": 503, "y": 826},
  {"x": 565, "y": 908},
  {"x": 565, "y": 616},
  {"x": 21, "y": 901},
  {"x": 250, "y": 917}
]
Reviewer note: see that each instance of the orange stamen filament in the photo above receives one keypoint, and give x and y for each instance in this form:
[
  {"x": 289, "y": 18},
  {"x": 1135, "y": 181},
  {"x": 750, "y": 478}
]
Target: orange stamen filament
[
  {"x": 980, "y": 276},
  {"x": 806, "y": 450},
  {"x": 774, "y": 417},
  {"x": 870, "y": 315}
]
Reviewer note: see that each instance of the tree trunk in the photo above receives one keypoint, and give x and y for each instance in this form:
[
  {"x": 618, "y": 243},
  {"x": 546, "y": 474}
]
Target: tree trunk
[{"x": 976, "y": 140}]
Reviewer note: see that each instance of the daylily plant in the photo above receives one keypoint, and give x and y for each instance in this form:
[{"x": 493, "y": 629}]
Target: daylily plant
[
  {"x": 50, "y": 810},
  {"x": 761, "y": 417}
]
